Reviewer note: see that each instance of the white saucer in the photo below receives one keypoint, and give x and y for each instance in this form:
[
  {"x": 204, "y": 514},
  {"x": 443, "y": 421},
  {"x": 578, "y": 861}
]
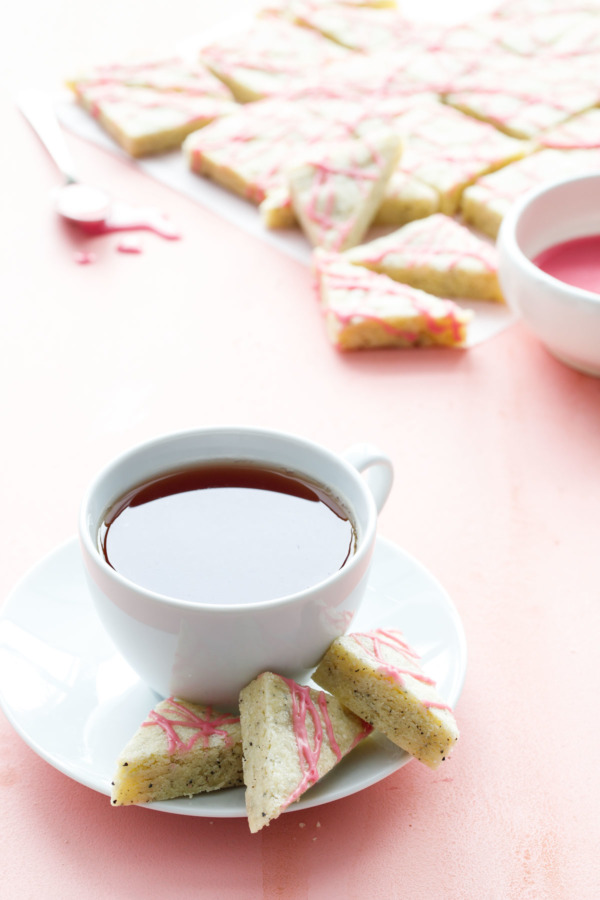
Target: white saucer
[{"x": 76, "y": 702}]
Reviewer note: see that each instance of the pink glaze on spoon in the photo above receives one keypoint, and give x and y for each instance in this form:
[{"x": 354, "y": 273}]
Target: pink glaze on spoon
[
  {"x": 87, "y": 206},
  {"x": 82, "y": 204},
  {"x": 123, "y": 217}
]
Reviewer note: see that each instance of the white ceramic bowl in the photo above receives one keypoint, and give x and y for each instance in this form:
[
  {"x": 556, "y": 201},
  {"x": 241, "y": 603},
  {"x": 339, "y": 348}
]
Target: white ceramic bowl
[{"x": 565, "y": 318}]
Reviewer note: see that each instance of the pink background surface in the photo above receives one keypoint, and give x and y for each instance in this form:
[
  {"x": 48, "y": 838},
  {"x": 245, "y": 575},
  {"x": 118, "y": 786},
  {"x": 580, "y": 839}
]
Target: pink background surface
[{"x": 497, "y": 492}]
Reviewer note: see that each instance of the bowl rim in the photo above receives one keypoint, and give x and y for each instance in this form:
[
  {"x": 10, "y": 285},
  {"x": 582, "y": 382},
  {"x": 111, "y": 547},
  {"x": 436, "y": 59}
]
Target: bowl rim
[{"x": 507, "y": 237}]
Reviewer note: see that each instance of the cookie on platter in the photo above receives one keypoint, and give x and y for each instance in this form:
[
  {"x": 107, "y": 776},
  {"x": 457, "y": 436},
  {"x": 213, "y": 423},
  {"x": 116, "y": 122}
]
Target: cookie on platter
[
  {"x": 160, "y": 74},
  {"x": 524, "y": 97},
  {"x": 337, "y": 189},
  {"x": 368, "y": 30},
  {"x": 436, "y": 254},
  {"x": 448, "y": 151},
  {"x": 270, "y": 57},
  {"x": 250, "y": 152},
  {"x": 363, "y": 309},
  {"x": 145, "y": 121},
  {"x": 582, "y": 132},
  {"x": 485, "y": 203}
]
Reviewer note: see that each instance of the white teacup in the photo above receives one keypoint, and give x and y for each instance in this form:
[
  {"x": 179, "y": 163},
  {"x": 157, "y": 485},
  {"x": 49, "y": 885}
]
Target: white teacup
[{"x": 207, "y": 652}]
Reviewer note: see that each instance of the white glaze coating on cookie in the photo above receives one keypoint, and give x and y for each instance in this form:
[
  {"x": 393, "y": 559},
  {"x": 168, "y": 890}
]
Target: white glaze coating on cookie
[
  {"x": 516, "y": 9},
  {"x": 292, "y": 736},
  {"x": 448, "y": 150},
  {"x": 436, "y": 254},
  {"x": 250, "y": 152},
  {"x": 181, "y": 749},
  {"x": 270, "y": 57},
  {"x": 405, "y": 199},
  {"x": 146, "y": 121},
  {"x": 286, "y": 8},
  {"x": 378, "y": 676},
  {"x": 337, "y": 188},
  {"x": 363, "y": 309},
  {"x": 579, "y": 133},
  {"x": 485, "y": 203},
  {"x": 564, "y": 34},
  {"x": 524, "y": 97},
  {"x": 356, "y": 27},
  {"x": 163, "y": 74}
]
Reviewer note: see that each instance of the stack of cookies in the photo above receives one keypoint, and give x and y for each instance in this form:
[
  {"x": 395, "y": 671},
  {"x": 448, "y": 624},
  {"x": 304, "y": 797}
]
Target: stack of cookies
[{"x": 340, "y": 116}]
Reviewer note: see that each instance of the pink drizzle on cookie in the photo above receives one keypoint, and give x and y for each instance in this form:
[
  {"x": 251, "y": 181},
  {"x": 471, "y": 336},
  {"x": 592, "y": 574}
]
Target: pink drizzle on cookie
[
  {"x": 182, "y": 717},
  {"x": 302, "y": 706},
  {"x": 310, "y": 752},
  {"x": 432, "y": 238},
  {"x": 373, "y": 642},
  {"x": 372, "y": 283},
  {"x": 321, "y": 204}
]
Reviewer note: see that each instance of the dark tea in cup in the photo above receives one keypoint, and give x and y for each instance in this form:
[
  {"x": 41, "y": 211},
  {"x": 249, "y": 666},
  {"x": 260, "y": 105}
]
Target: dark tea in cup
[
  {"x": 264, "y": 588},
  {"x": 227, "y": 533}
]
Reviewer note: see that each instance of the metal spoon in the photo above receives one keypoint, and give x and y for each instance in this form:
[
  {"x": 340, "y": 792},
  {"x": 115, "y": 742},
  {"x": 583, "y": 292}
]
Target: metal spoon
[{"x": 75, "y": 201}]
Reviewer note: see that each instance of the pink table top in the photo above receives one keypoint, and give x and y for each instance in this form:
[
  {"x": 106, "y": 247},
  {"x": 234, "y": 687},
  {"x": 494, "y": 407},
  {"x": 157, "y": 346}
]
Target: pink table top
[{"x": 497, "y": 492}]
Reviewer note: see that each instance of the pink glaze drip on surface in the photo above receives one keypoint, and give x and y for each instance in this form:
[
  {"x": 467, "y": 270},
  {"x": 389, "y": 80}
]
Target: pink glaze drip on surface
[
  {"x": 131, "y": 218},
  {"x": 204, "y": 727},
  {"x": 84, "y": 258},
  {"x": 129, "y": 245}
]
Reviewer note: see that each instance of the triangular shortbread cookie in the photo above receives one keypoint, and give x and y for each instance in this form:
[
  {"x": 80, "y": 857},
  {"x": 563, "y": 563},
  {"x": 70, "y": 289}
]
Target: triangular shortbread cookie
[
  {"x": 180, "y": 750},
  {"x": 292, "y": 736},
  {"x": 337, "y": 189},
  {"x": 437, "y": 255},
  {"x": 144, "y": 120},
  {"x": 377, "y": 675},
  {"x": 168, "y": 73},
  {"x": 485, "y": 203},
  {"x": 268, "y": 58},
  {"x": 364, "y": 309}
]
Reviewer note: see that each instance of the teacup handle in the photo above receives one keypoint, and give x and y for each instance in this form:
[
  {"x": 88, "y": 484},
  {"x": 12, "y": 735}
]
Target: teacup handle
[{"x": 375, "y": 467}]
